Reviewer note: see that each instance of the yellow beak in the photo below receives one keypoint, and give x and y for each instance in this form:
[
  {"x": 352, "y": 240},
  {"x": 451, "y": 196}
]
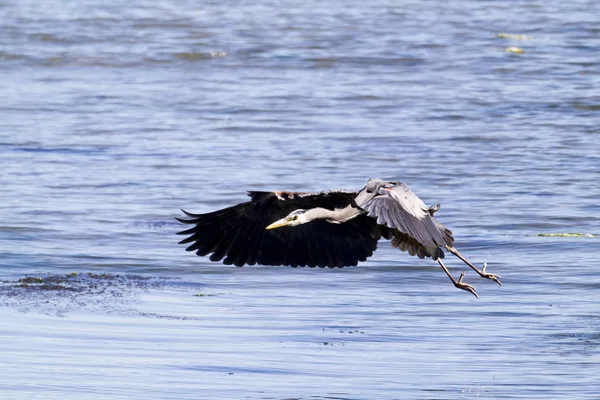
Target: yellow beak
[{"x": 279, "y": 224}]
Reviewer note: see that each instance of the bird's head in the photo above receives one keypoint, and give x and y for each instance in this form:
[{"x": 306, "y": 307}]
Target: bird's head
[{"x": 296, "y": 217}]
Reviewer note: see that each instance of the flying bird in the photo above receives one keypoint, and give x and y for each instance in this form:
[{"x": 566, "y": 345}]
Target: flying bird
[{"x": 327, "y": 229}]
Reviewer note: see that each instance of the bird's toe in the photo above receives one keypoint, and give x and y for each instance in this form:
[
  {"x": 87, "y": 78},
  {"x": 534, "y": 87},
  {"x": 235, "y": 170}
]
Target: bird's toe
[
  {"x": 487, "y": 275},
  {"x": 465, "y": 286}
]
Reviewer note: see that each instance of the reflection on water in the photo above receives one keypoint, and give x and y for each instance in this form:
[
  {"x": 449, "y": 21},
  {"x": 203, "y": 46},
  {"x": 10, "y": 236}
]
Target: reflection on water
[{"x": 114, "y": 116}]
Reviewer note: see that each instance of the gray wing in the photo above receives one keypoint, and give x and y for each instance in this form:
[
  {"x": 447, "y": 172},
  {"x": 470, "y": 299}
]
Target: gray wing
[
  {"x": 395, "y": 206},
  {"x": 407, "y": 243}
]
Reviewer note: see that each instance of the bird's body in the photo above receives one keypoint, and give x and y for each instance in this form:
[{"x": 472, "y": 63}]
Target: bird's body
[{"x": 328, "y": 229}]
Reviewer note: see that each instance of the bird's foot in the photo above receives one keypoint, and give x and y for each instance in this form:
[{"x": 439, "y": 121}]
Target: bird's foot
[
  {"x": 465, "y": 286},
  {"x": 487, "y": 275},
  {"x": 481, "y": 272}
]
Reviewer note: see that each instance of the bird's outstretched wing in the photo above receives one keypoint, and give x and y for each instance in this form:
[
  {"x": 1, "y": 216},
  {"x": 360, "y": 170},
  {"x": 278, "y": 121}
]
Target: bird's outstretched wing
[
  {"x": 395, "y": 206},
  {"x": 238, "y": 233}
]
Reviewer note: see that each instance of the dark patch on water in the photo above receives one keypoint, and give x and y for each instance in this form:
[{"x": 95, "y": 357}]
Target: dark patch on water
[
  {"x": 153, "y": 225},
  {"x": 54, "y": 294}
]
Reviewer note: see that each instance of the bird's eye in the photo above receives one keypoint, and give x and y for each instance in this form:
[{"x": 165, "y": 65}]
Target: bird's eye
[{"x": 295, "y": 217}]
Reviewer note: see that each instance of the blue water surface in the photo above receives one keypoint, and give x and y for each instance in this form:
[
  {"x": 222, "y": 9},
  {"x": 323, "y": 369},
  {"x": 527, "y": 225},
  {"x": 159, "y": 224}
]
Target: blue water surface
[{"x": 114, "y": 115}]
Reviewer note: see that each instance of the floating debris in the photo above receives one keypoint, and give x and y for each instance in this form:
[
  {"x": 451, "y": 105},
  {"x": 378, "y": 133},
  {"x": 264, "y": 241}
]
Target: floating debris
[
  {"x": 512, "y": 36},
  {"x": 207, "y": 294},
  {"x": 514, "y": 49},
  {"x": 566, "y": 235},
  {"x": 192, "y": 56},
  {"x": 195, "y": 56}
]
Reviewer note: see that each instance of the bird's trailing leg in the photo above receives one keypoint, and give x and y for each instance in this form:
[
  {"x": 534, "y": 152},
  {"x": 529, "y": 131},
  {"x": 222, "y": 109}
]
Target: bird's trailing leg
[
  {"x": 481, "y": 272},
  {"x": 459, "y": 284}
]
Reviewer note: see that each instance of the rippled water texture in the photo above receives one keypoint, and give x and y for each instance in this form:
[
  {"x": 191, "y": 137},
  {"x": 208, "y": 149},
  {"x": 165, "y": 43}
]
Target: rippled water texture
[{"x": 113, "y": 115}]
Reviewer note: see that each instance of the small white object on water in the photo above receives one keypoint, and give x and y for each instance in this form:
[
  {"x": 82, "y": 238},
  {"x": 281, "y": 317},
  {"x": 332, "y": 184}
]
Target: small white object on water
[{"x": 514, "y": 49}]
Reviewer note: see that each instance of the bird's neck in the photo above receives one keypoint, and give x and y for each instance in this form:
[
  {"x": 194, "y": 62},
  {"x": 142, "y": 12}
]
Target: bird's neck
[{"x": 337, "y": 216}]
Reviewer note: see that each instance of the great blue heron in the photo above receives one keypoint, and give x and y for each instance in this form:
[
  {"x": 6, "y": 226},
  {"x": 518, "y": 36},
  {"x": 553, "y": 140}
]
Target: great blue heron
[{"x": 328, "y": 229}]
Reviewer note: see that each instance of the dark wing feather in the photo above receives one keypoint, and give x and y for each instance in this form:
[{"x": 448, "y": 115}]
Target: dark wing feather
[
  {"x": 412, "y": 226},
  {"x": 237, "y": 234}
]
